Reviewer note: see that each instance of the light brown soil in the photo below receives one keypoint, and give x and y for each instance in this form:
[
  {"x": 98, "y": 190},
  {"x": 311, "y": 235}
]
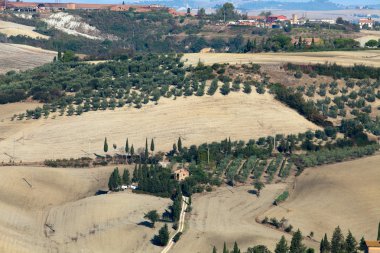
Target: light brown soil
[
  {"x": 63, "y": 199},
  {"x": 14, "y": 29},
  {"x": 196, "y": 119},
  {"x": 345, "y": 194},
  {"x": 228, "y": 215},
  {"x": 22, "y": 57},
  {"x": 345, "y": 58}
]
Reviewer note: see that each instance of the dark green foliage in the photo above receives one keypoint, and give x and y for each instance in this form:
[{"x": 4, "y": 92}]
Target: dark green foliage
[
  {"x": 258, "y": 249},
  {"x": 362, "y": 244},
  {"x": 177, "y": 237},
  {"x": 126, "y": 177},
  {"x": 282, "y": 246},
  {"x": 105, "y": 146},
  {"x": 126, "y": 146},
  {"x": 179, "y": 144},
  {"x": 114, "y": 181},
  {"x": 337, "y": 241},
  {"x": 213, "y": 87},
  {"x": 152, "y": 145},
  {"x": 152, "y": 216},
  {"x": 351, "y": 243},
  {"x": 296, "y": 245},
  {"x": 225, "y": 89},
  {"x": 162, "y": 239},
  {"x": 325, "y": 245},
  {"x": 378, "y": 232}
]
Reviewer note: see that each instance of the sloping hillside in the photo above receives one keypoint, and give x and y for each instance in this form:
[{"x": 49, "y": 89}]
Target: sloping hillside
[{"x": 195, "y": 119}]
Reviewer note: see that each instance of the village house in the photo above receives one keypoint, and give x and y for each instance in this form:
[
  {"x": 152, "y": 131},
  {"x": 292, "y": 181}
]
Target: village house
[
  {"x": 279, "y": 18},
  {"x": 372, "y": 247},
  {"x": 181, "y": 174},
  {"x": 366, "y": 23}
]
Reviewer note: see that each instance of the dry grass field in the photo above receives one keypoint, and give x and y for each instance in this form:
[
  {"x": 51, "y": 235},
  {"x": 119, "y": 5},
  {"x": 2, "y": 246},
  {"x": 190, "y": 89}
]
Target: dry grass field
[
  {"x": 195, "y": 119},
  {"x": 14, "y": 29},
  {"x": 345, "y": 194},
  {"x": 22, "y": 57},
  {"x": 228, "y": 215},
  {"x": 345, "y": 58},
  {"x": 64, "y": 200}
]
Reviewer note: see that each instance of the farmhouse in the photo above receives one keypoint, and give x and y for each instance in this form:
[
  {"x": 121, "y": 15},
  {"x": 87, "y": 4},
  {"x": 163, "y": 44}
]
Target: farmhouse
[
  {"x": 279, "y": 18},
  {"x": 372, "y": 246},
  {"x": 181, "y": 174},
  {"x": 366, "y": 23}
]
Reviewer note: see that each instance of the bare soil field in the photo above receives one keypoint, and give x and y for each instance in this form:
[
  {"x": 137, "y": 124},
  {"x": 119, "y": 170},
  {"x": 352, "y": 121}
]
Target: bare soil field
[
  {"x": 22, "y": 57},
  {"x": 345, "y": 194},
  {"x": 14, "y": 29},
  {"x": 345, "y": 58},
  {"x": 196, "y": 119},
  {"x": 228, "y": 215},
  {"x": 59, "y": 212}
]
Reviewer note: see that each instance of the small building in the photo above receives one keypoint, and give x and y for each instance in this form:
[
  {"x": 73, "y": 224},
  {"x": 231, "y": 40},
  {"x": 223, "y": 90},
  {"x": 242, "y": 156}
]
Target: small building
[
  {"x": 366, "y": 22},
  {"x": 181, "y": 174},
  {"x": 372, "y": 246},
  {"x": 279, "y": 18}
]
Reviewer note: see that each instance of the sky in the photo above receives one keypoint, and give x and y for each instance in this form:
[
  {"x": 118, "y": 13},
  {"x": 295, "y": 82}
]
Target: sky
[{"x": 344, "y": 2}]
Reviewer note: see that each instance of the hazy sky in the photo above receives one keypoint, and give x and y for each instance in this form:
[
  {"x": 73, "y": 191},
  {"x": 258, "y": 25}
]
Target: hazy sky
[{"x": 346, "y": 2}]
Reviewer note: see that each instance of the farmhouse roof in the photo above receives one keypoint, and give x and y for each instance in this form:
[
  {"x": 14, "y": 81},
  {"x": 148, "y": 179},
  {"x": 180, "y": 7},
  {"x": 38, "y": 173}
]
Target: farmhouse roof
[
  {"x": 375, "y": 244},
  {"x": 366, "y": 21}
]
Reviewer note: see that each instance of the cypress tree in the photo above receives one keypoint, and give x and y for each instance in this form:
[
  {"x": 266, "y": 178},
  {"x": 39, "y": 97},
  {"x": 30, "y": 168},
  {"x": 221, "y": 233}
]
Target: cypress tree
[
  {"x": 325, "y": 246},
  {"x": 236, "y": 248},
  {"x": 126, "y": 146},
  {"x": 362, "y": 244},
  {"x": 296, "y": 245},
  {"x": 337, "y": 241},
  {"x": 282, "y": 246},
  {"x": 174, "y": 148},
  {"x": 132, "y": 150},
  {"x": 225, "y": 250},
  {"x": 351, "y": 244},
  {"x": 126, "y": 177},
  {"x": 105, "y": 147},
  {"x": 378, "y": 233},
  {"x": 179, "y": 145},
  {"x": 146, "y": 149},
  {"x": 152, "y": 145},
  {"x": 214, "y": 250},
  {"x": 114, "y": 181},
  {"x": 135, "y": 179},
  {"x": 163, "y": 235}
]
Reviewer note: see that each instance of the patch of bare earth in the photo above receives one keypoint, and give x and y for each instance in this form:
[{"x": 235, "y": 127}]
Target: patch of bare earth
[
  {"x": 196, "y": 119},
  {"x": 345, "y": 194},
  {"x": 55, "y": 210},
  {"x": 22, "y": 57}
]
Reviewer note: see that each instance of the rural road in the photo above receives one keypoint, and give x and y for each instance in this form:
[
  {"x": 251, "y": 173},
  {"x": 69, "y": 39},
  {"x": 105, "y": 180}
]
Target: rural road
[{"x": 181, "y": 225}]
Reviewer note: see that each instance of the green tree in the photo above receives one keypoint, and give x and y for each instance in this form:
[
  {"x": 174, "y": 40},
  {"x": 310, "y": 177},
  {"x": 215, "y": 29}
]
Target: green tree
[
  {"x": 225, "y": 89},
  {"x": 152, "y": 216},
  {"x": 282, "y": 246},
  {"x": 179, "y": 144},
  {"x": 247, "y": 88},
  {"x": 70, "y": 110},
  {"x": 371, "y": 43},
  {"x": 126, "y": 177},
  {"x": 114, "y": 181},
  {"x": 146, "y": 154},
  {"x": 225, "y": 250},
  {"x": 227, "y": 12},
  {"x": 362, "y": 244},
  {"x": 324, "y": 246},
  {"x": 296, "y": 245},
  {"x": 351, "y": 244},
  {"x": 105, "y": 146},
  {"x": 235, "y": 248},
  {"x": 214, "y": 250},
  {"x": 132, "y": 150},
  {"x": 337, "y": 241},
  {"x": 162, "y": 238},
  {"x": 213, "y": 87},
  {"x": 126, "y": 146},
  {"x": 152, "y": 145},
  {"x": 378, "y": 232},
  {"x": 258, "y": 186}
]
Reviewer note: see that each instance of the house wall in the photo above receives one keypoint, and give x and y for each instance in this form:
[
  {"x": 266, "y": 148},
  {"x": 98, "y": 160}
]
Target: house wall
[{"x": 373, "y": 250}]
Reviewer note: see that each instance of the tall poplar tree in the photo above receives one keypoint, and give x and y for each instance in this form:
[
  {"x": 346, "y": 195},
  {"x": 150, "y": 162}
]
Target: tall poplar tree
[
  {"x": 126, "y": 146},
  {"x": 282, "y": 246},
  {"x": 152, "y": 145},
  {"x": 179, "y": 144}
]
